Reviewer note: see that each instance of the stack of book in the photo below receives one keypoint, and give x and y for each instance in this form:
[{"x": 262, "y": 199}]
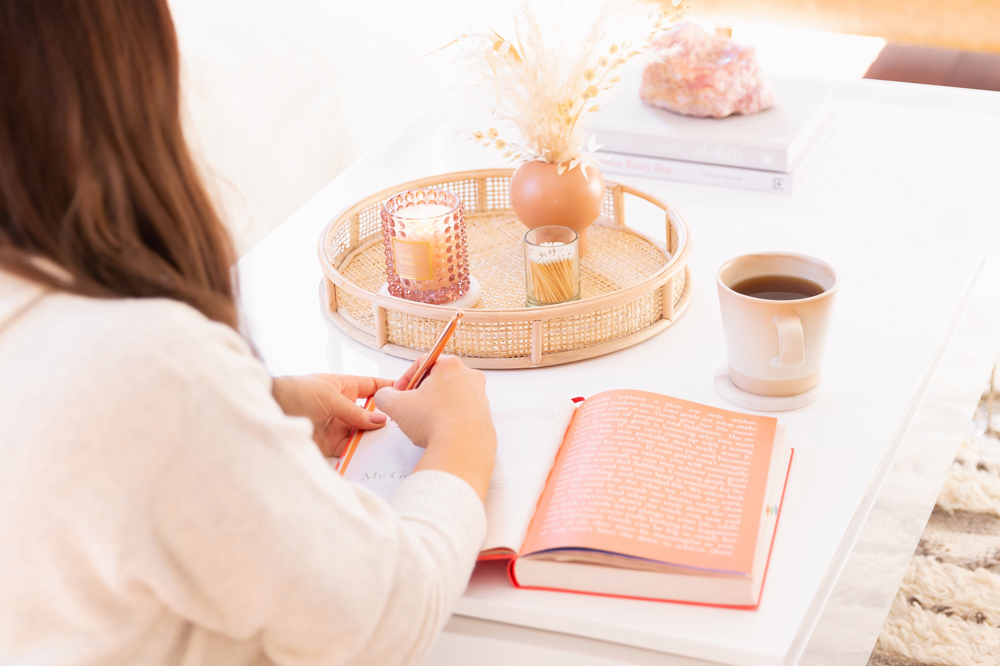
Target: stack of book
[{"x": 766, "y": 151}]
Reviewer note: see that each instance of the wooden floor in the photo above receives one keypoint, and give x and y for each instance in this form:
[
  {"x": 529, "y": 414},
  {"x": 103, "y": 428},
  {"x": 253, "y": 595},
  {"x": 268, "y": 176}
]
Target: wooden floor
[{"x": 939, "y": 67}]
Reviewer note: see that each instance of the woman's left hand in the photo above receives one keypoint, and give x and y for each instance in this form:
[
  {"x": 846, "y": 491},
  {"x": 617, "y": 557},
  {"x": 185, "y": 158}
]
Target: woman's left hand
[{"x": 329, "y": 401}]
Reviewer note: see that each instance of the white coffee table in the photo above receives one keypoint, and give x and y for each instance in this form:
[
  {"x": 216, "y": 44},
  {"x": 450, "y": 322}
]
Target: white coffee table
[{"x": 902, "y": 201}]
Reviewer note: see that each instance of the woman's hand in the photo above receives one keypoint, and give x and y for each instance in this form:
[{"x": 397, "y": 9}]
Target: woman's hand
[
  {"x": 329, "y": 401},
  {"x": 449, "y": 415}
]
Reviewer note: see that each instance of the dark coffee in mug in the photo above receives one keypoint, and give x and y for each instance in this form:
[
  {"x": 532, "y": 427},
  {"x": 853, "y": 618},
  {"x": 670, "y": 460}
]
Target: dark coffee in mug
[{"x": 777, "y": 287}]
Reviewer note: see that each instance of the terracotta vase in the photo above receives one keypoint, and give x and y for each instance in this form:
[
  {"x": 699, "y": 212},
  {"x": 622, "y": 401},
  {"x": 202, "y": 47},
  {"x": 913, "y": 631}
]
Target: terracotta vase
[{"x": 540, "y": 196}]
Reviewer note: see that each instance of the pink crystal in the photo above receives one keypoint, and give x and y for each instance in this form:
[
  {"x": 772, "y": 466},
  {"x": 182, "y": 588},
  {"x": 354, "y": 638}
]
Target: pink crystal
[{"x": 698, "y": 74}]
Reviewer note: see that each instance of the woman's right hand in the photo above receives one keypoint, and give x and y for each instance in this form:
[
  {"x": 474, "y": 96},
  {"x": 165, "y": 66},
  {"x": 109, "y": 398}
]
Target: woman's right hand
[{"x": 449, "y": 415}]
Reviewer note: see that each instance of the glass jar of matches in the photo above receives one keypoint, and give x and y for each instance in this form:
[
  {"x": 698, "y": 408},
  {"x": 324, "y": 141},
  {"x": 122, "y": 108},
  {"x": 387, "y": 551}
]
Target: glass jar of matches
[{"x": 551, "y": 265}]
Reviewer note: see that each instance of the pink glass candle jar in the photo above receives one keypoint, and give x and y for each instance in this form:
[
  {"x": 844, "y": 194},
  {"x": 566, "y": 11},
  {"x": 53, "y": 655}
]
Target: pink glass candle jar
[{"x": 427, "y": 259}]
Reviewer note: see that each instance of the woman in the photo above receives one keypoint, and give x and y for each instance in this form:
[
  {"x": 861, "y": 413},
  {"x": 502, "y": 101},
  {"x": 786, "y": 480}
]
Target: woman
[{"x": 161, "y": 498}]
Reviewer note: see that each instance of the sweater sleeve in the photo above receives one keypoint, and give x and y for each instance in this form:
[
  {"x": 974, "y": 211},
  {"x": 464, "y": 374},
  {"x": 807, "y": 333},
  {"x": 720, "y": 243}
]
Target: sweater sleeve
[{"x": 246, "y": 531}]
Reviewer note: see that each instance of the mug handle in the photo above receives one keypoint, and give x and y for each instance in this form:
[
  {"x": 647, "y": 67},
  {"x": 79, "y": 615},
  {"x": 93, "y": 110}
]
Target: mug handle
[{"x": 791, "y": 347}]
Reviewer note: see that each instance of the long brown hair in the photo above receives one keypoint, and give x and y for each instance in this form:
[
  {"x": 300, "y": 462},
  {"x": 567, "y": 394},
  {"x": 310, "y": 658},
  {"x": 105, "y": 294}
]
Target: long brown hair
[{"x": 95, "y": 174}]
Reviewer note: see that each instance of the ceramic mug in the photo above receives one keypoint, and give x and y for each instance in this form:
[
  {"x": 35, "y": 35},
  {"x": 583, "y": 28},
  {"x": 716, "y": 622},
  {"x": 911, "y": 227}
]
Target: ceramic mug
[{"x": 775, "y": 348}]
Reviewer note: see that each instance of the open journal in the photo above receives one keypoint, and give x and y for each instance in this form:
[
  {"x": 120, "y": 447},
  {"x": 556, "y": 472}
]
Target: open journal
[{"x": 629, "y": 494}]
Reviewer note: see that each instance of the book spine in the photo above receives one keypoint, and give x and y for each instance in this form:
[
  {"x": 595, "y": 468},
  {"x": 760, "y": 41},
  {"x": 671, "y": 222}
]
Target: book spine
[
  {"x": 692, "y": 172},
  {"x": 687, "y": 150}
]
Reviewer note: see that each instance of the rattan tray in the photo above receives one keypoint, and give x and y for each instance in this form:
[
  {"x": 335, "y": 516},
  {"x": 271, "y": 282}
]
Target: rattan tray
[{"x": 632, "y": 287}]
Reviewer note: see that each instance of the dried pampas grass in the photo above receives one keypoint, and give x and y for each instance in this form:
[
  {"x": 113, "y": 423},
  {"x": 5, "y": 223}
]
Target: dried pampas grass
[{"x": 547, "y": 78}]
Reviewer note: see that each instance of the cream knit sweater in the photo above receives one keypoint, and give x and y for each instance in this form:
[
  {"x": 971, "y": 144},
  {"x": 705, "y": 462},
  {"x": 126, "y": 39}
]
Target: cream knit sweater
[{"x": 157, "y": 507}]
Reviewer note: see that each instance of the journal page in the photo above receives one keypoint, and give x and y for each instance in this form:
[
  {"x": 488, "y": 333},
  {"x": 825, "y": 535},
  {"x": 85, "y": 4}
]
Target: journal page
[
  {"x": 659, "y": 478},
  {"x": 530, "y": 429}
]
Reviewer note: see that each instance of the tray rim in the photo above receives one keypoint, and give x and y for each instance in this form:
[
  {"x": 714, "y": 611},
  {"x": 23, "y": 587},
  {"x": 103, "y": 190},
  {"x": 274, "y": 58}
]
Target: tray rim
[
  {"x": 356, "y": 331},
  {"x": 677, "y": 262}
]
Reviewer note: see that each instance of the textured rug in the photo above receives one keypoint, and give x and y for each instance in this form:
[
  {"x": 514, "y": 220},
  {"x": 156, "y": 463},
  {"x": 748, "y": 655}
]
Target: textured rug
[{"x": 947, "y": 611}]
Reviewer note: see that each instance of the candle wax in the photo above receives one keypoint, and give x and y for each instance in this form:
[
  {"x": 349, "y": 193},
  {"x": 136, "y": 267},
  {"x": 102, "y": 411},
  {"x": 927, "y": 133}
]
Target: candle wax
[
  {"x": 422, "y": 211},
  {"x": 419, "y": 223}
]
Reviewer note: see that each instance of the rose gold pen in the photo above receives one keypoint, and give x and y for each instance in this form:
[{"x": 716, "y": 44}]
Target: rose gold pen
[
  {"x": 436, "y": 350},
  {"x": 418, "y": 376}
]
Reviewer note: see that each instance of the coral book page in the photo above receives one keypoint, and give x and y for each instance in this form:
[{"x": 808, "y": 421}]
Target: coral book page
[{"x": 654, "y": 477}]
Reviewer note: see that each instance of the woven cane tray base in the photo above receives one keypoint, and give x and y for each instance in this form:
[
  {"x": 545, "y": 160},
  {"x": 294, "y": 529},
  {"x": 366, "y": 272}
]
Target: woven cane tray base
[{"x": 631, "y": 286}]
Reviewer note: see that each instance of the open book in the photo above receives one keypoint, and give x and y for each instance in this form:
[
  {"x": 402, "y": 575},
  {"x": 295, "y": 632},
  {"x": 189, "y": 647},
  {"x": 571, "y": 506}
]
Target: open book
[{"x": 629, "y": 494}]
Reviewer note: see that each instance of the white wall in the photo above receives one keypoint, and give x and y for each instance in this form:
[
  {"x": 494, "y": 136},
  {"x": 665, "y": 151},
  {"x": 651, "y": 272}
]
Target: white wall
[{"x": 281, "y": 95}]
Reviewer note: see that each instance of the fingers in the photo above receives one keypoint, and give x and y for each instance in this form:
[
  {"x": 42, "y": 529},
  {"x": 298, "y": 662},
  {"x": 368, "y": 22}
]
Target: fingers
[
  {"x": 441, "y": 406},
  {"x": 367, "y": 386},
  {"x": 448, "y": 363},
  {"x": 404, "y": 381},
  {"x": 335, "y": 439},
  {"x": 394, "y": 401},
  {"x": 358, "y": 386},
  {"x": 349, "y": 412},
  {"x": 387, "y": 399},
  {"x": 443, "y": 363},
  {"x": 451, "y": 364},
  {"x": 403, "y": 408},
  {"x": 332, "y": 436}
]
